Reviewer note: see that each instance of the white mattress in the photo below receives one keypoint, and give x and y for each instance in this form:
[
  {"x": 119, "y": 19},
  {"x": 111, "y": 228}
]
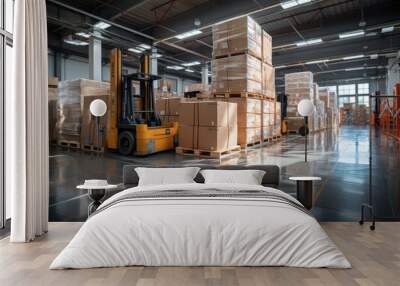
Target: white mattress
[{"x": 200, "y": 232}]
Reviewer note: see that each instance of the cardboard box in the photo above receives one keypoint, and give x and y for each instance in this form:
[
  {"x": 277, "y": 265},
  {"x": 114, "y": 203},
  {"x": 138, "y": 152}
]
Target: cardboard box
[
  {"x": 237, "y": 36},
  {"x": 236, "y": 67},
  {"x": 188, "y": 113},
  {"x": 161, "y": 106},
  {"x": 173, "y": 105},
  {"x": 295, "y": 123},
  {"x": 213, "y": 138},
  {"x": 268, "y": 131},
  {"x": 266, "y": 48},
  {"x": 249, "y": 120},
  {"x": 268, "y": 80},
  {"x": 213, "y": 113},
  {"x": 246, "y": 104},
  {"x": 233, "y": 135},
  {"x": 236, "y": 86},
  {"x": 249, "y": 136},
  {"x": 188, "y": 136}
]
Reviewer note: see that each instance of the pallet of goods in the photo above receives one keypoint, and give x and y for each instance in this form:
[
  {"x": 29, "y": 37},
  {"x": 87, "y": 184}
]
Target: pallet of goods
[
  {"x": 208, "y": 129},
  {"x": 71, "y": 107},
  {"x": 268, "y": 120},
  {"x": 298, "y": 86},
  {"x": 52, "y": 103},
  {"x": 242, "y": 72}
]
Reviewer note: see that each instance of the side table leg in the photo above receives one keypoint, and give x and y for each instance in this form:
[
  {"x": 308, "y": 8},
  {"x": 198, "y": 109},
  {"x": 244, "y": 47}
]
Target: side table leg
[{"x": 305, "y": 193}]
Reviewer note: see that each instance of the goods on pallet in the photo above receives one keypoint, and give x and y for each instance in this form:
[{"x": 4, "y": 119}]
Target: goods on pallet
[
  {"x": 324, "y": 96},
  {"x": 268, "y": 80},
  {"x": 236, "y": 74},
  {"x": 52, "y": 105},
  {"x": 70, "y": 107},
  {"x": 268, "y": 119},
  {"x": 361, "y": 115},
  {"x": 294, "y": 124},
  {"x": 266, "y": 48},
  {"x": 278, "y": 120},
  {"x": 208, "y": 125},
  {"x": 298, "y": 86},
  {"x": 241, "y": 35},
  {"x": 352, "y": 114}
]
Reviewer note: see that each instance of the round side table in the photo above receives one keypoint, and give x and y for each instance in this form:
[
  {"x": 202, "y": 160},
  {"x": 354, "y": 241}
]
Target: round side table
[
  {"x": 305, "y": 190},
  {"x": 96, "y": 194}
]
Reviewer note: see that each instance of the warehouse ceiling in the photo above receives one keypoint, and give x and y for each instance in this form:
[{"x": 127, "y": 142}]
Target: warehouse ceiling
[{"x": 362, "y": 54}]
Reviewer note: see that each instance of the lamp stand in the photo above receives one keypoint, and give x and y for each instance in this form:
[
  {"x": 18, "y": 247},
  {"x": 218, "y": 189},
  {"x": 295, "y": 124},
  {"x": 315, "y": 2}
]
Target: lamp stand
[
  {"x": 306, "y": 135},
  {"x": 98, "y": 132}
]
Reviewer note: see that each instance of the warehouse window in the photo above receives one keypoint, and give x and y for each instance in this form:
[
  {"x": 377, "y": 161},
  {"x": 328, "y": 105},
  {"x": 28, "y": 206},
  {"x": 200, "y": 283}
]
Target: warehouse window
[
  {"x": 331, "y": 88},
  {"x": 346, "y": 99},
  {"x": 363, "y": 88},
  {"x": 363, "y": 100},
  {"x": 347, "y": 89}
]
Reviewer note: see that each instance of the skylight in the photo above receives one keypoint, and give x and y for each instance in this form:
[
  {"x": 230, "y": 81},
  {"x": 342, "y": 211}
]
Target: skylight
[
  {"x": 353, "y": 57},
  {"x": 188, "y": 34},
  {"x": 175, "y": 68},
  {"x": 189, "y": 70},
  {"x": 387, "y": 29}
]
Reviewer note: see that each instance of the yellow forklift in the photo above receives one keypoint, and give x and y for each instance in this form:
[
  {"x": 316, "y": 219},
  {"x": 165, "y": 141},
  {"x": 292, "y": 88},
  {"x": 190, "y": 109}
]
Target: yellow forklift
[{"x": 133, "y": 126}]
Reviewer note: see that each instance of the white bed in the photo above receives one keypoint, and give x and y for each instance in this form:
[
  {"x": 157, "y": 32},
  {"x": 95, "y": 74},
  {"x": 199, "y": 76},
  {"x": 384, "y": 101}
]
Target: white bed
[{"x": 201, "y": 231}]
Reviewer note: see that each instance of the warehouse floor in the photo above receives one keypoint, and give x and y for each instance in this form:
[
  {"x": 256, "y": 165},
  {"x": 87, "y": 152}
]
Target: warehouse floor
[{"x": 339, "y": 157}]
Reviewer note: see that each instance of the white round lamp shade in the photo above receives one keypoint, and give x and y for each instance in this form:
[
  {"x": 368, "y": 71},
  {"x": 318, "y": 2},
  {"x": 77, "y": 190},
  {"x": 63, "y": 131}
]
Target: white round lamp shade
[
  {"x": 98, "y": 107},
  {"x": 305, "y": 107}
]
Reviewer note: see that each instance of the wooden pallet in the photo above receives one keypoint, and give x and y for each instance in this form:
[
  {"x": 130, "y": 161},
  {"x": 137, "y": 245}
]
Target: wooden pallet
[
  {"x": 69, "y": 144},
  {"x": 238, "y": 94},
  {"x": 208, "y": 154},
  {"x": 92, "y": 148},
  {"x": 239, "y": 53},
  {"x": 252, "y": 144}
]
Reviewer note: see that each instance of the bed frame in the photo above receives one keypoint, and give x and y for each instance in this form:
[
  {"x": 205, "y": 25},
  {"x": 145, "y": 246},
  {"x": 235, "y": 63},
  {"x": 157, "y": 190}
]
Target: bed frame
[{"x": 270, "y": 179}]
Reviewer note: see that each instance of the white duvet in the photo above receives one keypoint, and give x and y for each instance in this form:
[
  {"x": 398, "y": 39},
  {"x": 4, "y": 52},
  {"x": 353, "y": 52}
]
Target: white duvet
[{"x": 202, "y": 232}]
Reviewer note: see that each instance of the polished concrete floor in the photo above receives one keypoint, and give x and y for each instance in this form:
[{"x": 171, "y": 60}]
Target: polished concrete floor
[{"x": 340, "y": 157}]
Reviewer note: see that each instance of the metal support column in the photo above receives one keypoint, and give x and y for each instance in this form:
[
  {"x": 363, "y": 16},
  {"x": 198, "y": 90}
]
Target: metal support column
[
  {"x": 154, "y": 66},
  {"x": 204, "y": 74},
  {"x": 95, "y": 63}
]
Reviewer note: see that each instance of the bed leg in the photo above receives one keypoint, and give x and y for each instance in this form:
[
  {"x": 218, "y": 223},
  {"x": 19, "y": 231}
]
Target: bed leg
[{"x": 372, "y": 213}]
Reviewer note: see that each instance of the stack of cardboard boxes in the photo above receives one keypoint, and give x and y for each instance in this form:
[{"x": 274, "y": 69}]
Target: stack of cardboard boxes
[
  {"x": 242, "y": 65},
  {"x": 268, "y": 124},
  {"x": 298, "y": 86},
  {"x": 73, "y": 114},
  {"x": 208, "y": 125},
  {"x": 52, "y": 101},
  {"x": 168, "y": 109}
]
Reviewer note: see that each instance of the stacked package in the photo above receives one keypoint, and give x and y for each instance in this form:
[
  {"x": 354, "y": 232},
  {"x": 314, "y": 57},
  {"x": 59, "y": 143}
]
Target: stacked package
[
  {"x": 242, "y": 58},
  {"x": 52, "y": 101},
  {"x": 72, "y": 107},
  {"x": 242, "y": 64},
  {"x": 298, "y": 86},
  {"x": 168, "y": 109},
  {"x": 268, "y": 119},
  {"x": 208, "y": 125},
  {"x": 361, "y": 115},
  {"x": 278, "y": 120}
]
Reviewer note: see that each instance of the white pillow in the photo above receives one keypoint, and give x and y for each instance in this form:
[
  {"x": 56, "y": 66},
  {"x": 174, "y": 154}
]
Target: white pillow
[
  {"x": 166, "y": 176},
  {"x": 247, "y": 177}
]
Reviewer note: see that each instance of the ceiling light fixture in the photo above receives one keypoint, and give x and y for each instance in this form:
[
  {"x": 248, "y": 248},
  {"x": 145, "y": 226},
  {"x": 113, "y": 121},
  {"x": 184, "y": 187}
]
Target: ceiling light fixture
[
  {"x": 188, "y": 34},
  {"x": 353, "y": 57},
  {"x": 83, "y": 34},
  {"x": 293, "y": 3},
  {"x": 280, "y": 67},
  {"x": 75, "y": 42},
  {"x": 354, "y": 69},
  {"x": 177, "y": 68},
  {"x": 316, "y": 62},
  {"x": 351, "y": 34},
  {"x": 189, "y": 70},
  {"x": 156, "y": 56},
  {"x": 374, "y": 56},
  {"x": 145, "y": 46},
  {"x": 102, "y": 25},
  {"x": 387, "y": 29},
  {"x": 135, "y": 50},
  {"x": 195, "y": 63},
  {"x": 309, "y": 42}
]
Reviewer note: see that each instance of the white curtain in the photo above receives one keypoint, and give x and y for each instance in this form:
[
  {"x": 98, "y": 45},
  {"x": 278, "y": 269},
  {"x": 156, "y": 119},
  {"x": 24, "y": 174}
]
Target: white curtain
[{"x": 26, "y": 124}]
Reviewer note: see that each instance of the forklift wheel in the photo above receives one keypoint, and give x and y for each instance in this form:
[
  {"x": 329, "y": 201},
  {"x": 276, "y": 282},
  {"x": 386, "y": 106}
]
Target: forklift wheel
[{"x": 126, "y": 143}]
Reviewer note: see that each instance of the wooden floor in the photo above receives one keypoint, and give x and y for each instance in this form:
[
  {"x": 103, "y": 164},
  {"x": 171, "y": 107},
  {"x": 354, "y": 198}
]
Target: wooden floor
[{"x": 375, "y": 257}]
